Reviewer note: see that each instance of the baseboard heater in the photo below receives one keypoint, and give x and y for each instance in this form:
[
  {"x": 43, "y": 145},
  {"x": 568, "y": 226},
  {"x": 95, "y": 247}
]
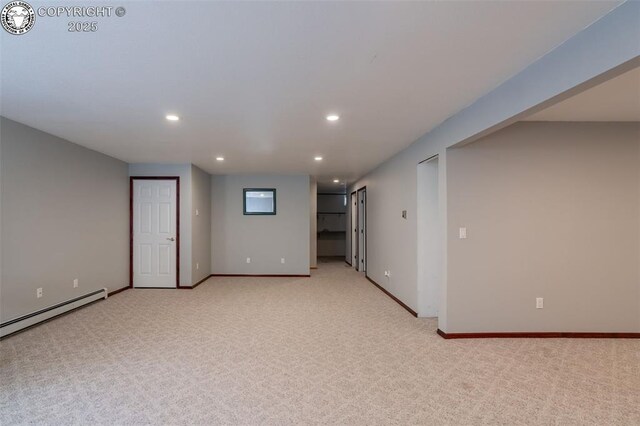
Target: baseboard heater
[{"x": 17, "y": 324}]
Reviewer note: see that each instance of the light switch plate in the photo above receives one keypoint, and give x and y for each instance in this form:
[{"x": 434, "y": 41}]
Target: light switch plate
[
  {"x": 539, "y": 303},
  {"x": 463, "y": 233}
]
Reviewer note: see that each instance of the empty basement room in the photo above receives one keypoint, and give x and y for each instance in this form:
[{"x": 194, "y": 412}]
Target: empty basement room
[{"x": 312, "y": 213}]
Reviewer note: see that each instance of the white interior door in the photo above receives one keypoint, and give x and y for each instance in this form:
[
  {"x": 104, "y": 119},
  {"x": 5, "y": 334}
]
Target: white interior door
[
  {"x": 354, "y": 230},
  {"x": 362, "y": 230},
  {"x": 154, "y": 233}
]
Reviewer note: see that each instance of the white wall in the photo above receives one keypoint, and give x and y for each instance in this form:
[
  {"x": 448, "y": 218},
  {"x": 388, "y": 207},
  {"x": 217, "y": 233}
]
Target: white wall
[
  {"x": 265, "y": 239},
  {"x": 186, "y": 213},
  {"x": 200, "y": 224},
  {"x": 65, "y": 214},
  {"x": 552, "y": 210}
]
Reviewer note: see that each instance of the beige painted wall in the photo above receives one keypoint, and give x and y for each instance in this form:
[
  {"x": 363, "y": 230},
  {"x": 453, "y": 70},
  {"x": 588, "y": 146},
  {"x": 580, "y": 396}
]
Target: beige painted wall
[
  {"x": 552, "y": 210},
  {"x": 65, "y": 215}
]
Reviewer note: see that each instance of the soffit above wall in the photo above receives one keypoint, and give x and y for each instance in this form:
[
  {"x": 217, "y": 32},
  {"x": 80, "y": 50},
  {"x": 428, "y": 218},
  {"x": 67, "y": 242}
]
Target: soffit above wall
[{"x": 617, "y": 99}]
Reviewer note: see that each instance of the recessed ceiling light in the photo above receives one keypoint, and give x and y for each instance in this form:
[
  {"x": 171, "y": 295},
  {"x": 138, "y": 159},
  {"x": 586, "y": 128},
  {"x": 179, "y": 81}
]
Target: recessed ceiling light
[
  {"x": 172, "y": 117},
  {"x": 333, "y": 117},
  {"x": 318, "y": 158},
  {"x": 336, "y": 181},
  {"x": 219, "y": 158}
]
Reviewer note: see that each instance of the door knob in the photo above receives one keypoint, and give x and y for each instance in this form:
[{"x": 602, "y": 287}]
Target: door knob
[{"x": 171, "y": 239}]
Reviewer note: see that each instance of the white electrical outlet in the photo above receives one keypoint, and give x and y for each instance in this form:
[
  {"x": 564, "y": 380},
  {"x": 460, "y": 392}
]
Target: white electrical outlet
[
  {"x": 197, "y": 266},
  {"x": 75, "y": 283},
  {"x": 282, "y": 260},
  {"x": 197, "y": 212},
  {"x": 39, "y": 293},
  {"x": 539, "y": 303},
  {"x": 248, "y": 260},
  {"x": 463, "y": 233}
]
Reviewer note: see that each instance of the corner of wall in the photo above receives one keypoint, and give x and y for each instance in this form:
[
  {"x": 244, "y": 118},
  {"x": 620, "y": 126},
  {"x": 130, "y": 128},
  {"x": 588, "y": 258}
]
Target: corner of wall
[{"x": 313, "y": 217}]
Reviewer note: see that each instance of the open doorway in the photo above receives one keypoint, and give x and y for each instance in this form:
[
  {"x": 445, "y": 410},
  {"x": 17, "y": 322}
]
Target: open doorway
[
  {"x": 429, "y": 239},
  {"x": 332, "y": 225}
]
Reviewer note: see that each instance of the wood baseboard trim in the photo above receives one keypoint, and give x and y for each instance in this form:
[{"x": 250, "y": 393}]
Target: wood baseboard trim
[
  {"x": 201, "y": 281},
  {"x": 263, "y": 275},
  {"x": 157, "y": 288},
  {"x": 120, "y": 290},
  {"x": 313, "y": 267},
  {"x": 540, "y": 335},
  {"x": 191, "y": 287},
  {"x": 398, "y": 301}
]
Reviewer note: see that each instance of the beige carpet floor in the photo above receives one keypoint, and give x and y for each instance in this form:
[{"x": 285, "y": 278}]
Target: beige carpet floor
[{"x": 331, "y": 349}]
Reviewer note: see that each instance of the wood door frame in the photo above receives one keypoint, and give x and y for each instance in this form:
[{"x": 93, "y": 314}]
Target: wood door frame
[
  {"x": 364, "y": 220},
  {"x": 131, "y": 180}
]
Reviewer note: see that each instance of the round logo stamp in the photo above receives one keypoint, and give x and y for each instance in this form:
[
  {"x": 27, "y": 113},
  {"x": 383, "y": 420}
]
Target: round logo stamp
[{"x": 17, "y": 17}]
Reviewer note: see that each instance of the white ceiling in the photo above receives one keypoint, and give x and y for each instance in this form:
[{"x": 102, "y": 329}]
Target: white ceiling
[
  {"x": 254, "y": 81},
  {"x": 617, "y": 99}
]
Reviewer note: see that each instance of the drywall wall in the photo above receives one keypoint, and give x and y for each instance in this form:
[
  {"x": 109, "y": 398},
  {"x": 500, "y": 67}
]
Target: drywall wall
[
  {"x": 200, "y": 224},
  {"x": 391, "y": 240},
  {"x": 65, "y": 215},
  {"x": 1, "y": 238},
  {"x": 313, "y": 227},
  {"x": 264, "y": 239},
  {"x": 429, "y": 239},
  {"x": 605, "y": 49},
  {"x": 552, "y": 211},
  {"x": 184, "y": 172}
]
